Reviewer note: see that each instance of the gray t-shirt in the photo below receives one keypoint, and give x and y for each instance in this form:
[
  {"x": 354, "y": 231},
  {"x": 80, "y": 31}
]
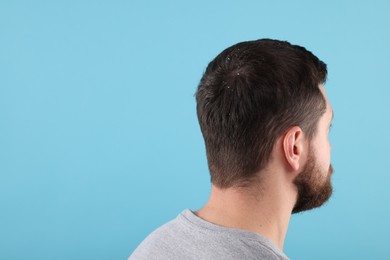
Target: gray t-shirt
[{"x": 190, "y": 237}]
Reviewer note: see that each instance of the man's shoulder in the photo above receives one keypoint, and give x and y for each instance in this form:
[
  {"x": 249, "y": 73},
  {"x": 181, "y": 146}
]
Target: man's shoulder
[
  {"x": 162, "y": 242},
  {"x": 189, "y": 237}
]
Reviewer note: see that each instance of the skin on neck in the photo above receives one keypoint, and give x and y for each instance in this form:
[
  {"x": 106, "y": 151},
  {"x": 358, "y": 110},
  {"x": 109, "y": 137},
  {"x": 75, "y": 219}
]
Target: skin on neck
[{"x": 264, "y": 209}]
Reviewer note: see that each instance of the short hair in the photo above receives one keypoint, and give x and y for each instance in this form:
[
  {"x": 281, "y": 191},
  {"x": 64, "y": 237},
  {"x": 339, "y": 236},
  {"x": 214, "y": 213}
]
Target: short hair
[{"x": 249, "y": 95}]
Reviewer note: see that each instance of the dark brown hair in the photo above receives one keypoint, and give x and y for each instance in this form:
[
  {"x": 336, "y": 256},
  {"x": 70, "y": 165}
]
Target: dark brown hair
[{"x": 248, "y": 96}]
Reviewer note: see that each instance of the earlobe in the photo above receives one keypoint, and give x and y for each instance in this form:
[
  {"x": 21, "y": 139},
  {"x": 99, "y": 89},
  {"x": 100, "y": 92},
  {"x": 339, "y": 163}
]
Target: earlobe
[{"x": 292, "y": 145}]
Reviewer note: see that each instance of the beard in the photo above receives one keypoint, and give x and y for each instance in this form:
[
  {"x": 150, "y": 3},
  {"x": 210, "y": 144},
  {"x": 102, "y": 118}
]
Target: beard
[{"x": 313, "y": 191}]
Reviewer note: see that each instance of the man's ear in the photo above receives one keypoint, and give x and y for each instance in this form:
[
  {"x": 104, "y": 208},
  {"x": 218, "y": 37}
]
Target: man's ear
[{"x": 293, "y": 146}]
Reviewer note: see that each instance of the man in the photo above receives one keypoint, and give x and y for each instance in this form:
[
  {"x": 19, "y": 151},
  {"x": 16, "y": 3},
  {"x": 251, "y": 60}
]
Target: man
[{"x": 265, "y": 119}]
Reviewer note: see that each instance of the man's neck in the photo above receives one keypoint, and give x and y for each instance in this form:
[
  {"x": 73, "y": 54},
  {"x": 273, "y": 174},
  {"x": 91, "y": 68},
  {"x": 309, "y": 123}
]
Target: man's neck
[{"x": 267, "y": 214}]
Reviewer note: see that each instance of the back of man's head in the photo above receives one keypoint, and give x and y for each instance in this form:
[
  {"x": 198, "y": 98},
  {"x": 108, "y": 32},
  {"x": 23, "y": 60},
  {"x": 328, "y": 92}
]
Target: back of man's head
[{"x": 248, "y": 96}]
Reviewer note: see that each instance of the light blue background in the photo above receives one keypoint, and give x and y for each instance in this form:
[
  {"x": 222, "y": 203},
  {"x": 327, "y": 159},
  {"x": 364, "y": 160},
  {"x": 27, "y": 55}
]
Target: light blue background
[{"x": 99, "y": 140}]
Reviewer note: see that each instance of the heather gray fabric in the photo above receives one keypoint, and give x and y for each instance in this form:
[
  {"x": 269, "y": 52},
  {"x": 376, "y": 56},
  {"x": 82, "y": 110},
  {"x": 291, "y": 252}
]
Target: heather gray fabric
[{"x": 190, "y": 237}]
